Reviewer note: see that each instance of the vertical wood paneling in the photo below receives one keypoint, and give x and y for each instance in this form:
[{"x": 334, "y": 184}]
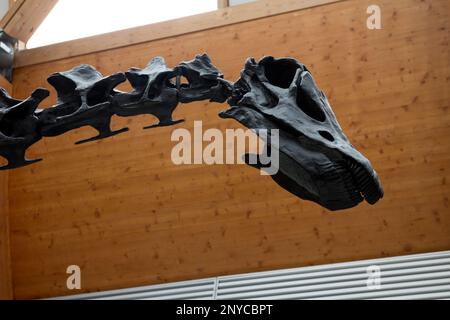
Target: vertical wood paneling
[{"x": 5, "y": 257}]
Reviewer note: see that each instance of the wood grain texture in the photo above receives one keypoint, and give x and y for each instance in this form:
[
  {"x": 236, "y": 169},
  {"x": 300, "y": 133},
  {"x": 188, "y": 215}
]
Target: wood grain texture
[
  {"x": 12, "y": 10},
  {"x": 25, "y": 17},
  {"x": 5, "y": 258},
  {"x": 165, "y": 29},
  {"x": 6, "y": 291},
  {"x": 127, "y": 216}
]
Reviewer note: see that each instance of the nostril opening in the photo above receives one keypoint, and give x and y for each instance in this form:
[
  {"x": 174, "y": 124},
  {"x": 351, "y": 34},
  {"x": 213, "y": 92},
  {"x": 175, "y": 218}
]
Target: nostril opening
[{"x": 326, "y": 135}]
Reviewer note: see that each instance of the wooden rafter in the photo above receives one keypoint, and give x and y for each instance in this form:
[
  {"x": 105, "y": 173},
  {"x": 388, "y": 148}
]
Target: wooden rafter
[
  {"x": 25, "y": 16},
  {"x": 14, "y": 7}
]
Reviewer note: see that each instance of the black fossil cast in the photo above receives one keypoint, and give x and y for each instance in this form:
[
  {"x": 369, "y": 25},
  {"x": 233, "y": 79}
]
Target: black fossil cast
[
  {"x": 204, "y": 81},
  {"x": 84, "y": 99},
  {"x": 317, "y": 161},
  {"x": 19, "y": 127},
  {"x": 153, "y": 93},
  {"x": 157, "y": 89},
  {"x": 87, "y": 98}
]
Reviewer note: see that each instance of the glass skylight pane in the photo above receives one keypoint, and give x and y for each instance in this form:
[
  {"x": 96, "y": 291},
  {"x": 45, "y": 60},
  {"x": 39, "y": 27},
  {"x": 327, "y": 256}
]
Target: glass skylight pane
[{"x": 74, "y": 19}]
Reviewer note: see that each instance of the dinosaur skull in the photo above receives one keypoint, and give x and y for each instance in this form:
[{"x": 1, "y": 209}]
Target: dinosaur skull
[{"x": 317, "y": 161}]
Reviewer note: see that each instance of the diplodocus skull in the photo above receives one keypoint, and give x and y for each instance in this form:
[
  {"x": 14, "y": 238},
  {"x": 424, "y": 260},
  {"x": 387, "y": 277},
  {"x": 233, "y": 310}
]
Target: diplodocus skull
[{"x": 317, "y": 161}]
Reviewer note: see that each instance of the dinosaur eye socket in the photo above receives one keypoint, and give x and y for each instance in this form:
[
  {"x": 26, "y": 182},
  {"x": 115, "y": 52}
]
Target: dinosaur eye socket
[{"x": 281, "y": 72}]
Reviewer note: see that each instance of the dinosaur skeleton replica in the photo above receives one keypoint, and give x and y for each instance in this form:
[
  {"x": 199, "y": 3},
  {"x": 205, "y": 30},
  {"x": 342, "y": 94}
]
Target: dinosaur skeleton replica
[{"x": 317, "y": 161}]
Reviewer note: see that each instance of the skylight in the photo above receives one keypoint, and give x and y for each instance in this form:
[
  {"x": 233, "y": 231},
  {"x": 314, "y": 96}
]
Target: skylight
[{"x": 75, "y": 19}]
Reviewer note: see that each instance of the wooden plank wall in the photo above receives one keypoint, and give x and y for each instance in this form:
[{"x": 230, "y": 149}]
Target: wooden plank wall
[
  {"x": 127, "y": 216},
  {"x": 6, "y": 291},
  {"x": 5, "y": 258}
]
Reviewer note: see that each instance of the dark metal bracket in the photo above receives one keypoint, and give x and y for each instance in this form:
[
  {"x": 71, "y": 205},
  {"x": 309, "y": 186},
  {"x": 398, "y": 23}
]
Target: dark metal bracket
[{"x": 8, "y": 47}]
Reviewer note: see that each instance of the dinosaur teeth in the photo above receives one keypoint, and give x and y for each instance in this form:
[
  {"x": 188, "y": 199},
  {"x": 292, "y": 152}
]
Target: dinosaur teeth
[{"x": 367, "y": 183}]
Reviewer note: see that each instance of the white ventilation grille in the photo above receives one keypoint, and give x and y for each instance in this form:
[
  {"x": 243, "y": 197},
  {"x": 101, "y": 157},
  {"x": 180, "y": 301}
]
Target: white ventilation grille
[
  {"x": 401, "y": 277},
  {"x": 187, "y": 290},
  {"x": 423, "y": 276}
]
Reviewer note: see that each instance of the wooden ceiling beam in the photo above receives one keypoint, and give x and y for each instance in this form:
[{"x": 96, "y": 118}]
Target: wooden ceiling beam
[
  {"x": 25, "y": 16},
  {"x": 14, "y": 7}
]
